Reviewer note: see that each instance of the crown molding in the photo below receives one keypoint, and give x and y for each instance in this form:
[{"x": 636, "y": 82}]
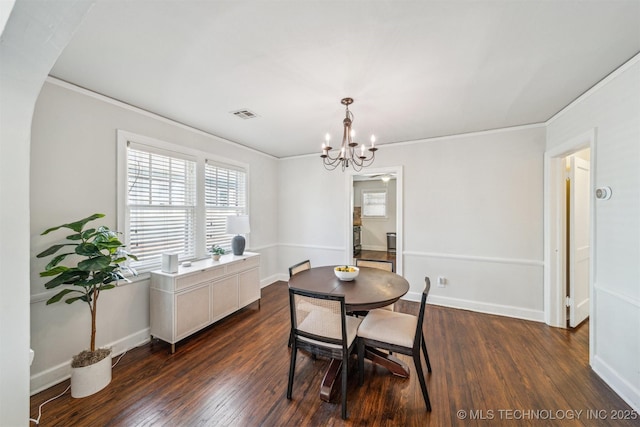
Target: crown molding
[{"x": 70, "y": 86}]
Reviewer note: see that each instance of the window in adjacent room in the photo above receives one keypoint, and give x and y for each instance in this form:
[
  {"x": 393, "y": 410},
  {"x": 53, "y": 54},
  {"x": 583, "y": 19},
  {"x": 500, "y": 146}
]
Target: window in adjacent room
[{"x": 374, "y": 203}]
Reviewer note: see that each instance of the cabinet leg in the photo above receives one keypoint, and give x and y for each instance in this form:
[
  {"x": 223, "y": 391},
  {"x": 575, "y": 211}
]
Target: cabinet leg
[{"x": 173, "y": 348}]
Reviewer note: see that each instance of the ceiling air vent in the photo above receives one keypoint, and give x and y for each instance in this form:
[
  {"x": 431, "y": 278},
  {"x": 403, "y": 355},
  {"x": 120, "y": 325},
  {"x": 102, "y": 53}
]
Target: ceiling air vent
[{"x": 244, "y": 114}]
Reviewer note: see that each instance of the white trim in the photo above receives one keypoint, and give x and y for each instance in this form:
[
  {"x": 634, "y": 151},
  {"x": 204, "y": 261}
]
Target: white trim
[
  {"x": 462, "y": 257},
  {"x": 44, "y": 296},
  {"x": 271, "y": 280},
  {"x": 41, "y": 297},
  {"x": 324, "y": 248},
  {"x": 56, "y": 374},
  {"x": 261, "y": 248},
  {"x": 627, "y": 391},
  {"x": 282, "y": 277},
  {"x": 613, "y": 75},
  {"x": 155, "y": 144},
  {"x": 488, "y": 308},
  {"x": 138, "y": 110},
  {"x": 434, "y": 139},
  {"x": 625, "y": 298}
]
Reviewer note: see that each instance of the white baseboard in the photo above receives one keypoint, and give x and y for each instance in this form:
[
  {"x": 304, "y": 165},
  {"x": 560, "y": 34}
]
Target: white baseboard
[
  {"x": 481, "y": 307},
  {"x": 621, "y": 386},
  {"x": 61, "y": 372},
  {"x": 272, "y": 279}
]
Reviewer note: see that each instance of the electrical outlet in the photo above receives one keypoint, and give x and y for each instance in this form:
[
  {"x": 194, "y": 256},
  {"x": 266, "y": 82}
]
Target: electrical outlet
[{"x": 442, "y": 281}]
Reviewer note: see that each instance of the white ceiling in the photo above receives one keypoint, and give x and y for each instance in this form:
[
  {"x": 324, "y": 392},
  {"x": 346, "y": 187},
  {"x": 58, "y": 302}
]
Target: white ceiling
[{"x": 416, "y": 69}]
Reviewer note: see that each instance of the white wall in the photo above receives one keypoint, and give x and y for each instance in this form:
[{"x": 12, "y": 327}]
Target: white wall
[
  {"x": 472, "y": 213},
  {"x": 613, "y": 110},
  {"x": 32, "y": 39},
  {"x": 374, "y": 230},
  {"x": 73, "y": 174}
]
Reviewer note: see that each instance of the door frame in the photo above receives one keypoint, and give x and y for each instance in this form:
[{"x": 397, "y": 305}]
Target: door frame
[
  {"x": 554, "y": 286},
  {"x": 398, "y": 171}
]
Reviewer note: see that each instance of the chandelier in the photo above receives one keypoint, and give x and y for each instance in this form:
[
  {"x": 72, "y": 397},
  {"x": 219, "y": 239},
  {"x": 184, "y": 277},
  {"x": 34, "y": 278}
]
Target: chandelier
[{"x": 348, "y": 155}]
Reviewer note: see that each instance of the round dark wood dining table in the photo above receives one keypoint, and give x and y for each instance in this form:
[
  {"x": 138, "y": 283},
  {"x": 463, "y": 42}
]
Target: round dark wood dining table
[{"x": 373, "y": 288}]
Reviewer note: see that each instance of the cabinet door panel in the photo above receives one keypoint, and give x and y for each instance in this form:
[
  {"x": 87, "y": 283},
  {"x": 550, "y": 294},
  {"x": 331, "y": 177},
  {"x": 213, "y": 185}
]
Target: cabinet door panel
[
  {"x": 224, "y": 297},
  {"x": 192, "y": 311},
  {"x": 248, "y": 287}
]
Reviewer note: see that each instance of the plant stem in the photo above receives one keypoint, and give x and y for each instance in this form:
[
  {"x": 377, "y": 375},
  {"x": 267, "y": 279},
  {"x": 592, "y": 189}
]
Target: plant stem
[{"x": 93, "y": 307}]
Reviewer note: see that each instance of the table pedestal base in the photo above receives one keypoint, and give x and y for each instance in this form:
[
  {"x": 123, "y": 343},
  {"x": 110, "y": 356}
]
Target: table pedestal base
[{"x": 394, "y": 365}]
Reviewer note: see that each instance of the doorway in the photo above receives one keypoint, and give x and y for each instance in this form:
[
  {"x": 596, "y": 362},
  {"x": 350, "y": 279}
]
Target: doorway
[
  {"x": 568, "y": 281},
  {"x": 577, "y": 237},
  {"x": 375, "y": 211}
]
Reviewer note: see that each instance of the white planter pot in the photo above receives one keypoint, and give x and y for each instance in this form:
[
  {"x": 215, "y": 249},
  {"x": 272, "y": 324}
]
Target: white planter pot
[{"x": 90, "y": 379}]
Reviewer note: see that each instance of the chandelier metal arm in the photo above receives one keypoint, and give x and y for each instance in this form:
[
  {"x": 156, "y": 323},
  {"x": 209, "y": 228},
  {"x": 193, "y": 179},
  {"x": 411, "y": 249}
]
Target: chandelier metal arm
[{"x": 346, "y": 155}]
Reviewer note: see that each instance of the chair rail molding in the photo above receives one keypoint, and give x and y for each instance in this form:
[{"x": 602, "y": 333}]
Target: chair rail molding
[{"x": 464, "y": 257}]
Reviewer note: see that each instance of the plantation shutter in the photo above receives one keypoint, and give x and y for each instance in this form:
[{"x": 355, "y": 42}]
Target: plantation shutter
[
  {"x": 161, "y": 202},
  {"x": 225, "y": 194}
]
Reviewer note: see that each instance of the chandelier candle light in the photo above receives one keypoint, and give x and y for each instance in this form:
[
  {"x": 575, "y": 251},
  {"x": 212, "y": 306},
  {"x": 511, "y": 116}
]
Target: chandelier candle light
[{"x": 348, "y": 155}]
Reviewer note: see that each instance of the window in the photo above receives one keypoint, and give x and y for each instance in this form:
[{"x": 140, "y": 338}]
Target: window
[
  {"x": 224, "y": 195},
  {"x": 171, "y": 199},
  {"x": 161, "y": 197},
  {"x": 374, "y": 203}
]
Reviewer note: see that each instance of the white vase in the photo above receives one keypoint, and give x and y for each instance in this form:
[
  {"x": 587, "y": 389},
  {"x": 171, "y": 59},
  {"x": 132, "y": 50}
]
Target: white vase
[
  {"x": 215, "y": 257},
  {"x": 91, "y": 379}
]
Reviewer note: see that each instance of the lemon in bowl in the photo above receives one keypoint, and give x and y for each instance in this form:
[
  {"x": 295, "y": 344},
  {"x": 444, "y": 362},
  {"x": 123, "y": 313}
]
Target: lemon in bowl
[{"x": 346, "y": 272}]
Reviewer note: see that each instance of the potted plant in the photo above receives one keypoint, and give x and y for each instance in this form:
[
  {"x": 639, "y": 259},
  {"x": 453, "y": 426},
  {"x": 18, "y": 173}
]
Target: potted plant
[
  {"x": 216, "y": 251},
  {"x": 97, "y": 258}
]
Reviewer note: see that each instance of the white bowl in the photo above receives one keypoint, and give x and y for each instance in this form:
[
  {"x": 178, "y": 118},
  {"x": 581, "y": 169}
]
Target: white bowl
[{"x": 346, "y": 275}]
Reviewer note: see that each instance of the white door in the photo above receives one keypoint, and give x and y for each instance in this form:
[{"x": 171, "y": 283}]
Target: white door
[{"x": 579, "y": 241}]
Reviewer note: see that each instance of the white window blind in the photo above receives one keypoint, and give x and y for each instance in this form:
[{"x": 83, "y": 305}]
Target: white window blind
[
  {"x": 225, "y": 193},
  {"x": 161, "y": 203},
  {"x": 374, "y": 203}
]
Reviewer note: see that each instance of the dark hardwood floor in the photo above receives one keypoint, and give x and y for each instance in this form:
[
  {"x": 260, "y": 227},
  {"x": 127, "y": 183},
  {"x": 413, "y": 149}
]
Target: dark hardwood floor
[
  {"x": 378, "y": 255},
  {"x": 487, "y": 370}
]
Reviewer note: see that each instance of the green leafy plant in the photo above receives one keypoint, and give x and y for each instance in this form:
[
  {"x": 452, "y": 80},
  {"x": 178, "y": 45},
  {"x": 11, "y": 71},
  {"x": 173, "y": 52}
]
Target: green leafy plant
[
  {"x": 98, "y": 262},
  {"x": 216, "y": 250}
]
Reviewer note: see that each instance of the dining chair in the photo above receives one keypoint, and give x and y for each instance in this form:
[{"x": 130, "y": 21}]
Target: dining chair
[
  {"x": 376, "y": 263},
  {"x": 297, "y": 268},
  {"x": 397, "y": 332},
  {"x": 324, "y": 331},
  {"x": 386, "y": 265}
]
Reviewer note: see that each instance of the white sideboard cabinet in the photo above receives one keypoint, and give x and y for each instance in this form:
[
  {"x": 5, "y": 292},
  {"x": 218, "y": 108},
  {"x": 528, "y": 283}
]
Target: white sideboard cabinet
[{"x": 182, "y": 303}]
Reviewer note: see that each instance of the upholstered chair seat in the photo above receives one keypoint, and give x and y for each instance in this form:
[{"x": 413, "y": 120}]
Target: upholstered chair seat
[
  {"x": 391, "y": 327},
  {"x": 398, "y": 333}
]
